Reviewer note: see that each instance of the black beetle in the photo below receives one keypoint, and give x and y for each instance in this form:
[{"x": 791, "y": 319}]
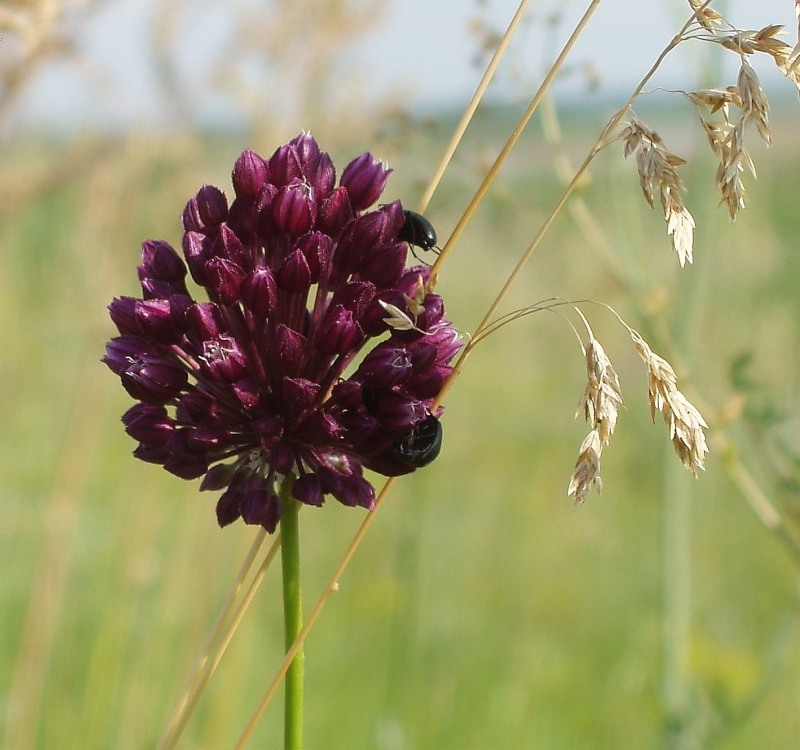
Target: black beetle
[
  {"x": 421, "y": 445},
  {"x": 418, "y": 231}
]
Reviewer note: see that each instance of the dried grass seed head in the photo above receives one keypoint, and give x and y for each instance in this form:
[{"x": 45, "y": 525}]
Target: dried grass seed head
[{"x": 586, "y": 474}]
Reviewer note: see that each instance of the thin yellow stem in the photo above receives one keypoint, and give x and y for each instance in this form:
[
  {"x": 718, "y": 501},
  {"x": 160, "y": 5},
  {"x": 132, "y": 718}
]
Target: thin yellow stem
[
  {"x": 205, "y": 665},
  {"x": 466, "y": 118},
  {"x": 515, "y": 134}
]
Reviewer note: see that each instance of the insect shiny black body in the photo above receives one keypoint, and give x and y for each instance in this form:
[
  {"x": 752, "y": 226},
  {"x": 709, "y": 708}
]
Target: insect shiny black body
[
  {"x": 417, "y": 231},
  {"x": 420, "y": 446}
]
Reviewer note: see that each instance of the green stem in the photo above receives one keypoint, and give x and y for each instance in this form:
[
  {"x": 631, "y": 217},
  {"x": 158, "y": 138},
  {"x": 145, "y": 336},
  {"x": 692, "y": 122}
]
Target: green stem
[{"x": 292, "y": 617}]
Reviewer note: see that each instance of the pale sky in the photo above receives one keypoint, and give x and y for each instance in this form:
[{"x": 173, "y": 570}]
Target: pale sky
[{"x": 422, "y": 49}]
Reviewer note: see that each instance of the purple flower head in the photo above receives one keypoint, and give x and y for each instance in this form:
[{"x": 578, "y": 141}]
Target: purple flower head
[{"x": 315, "y": 353}]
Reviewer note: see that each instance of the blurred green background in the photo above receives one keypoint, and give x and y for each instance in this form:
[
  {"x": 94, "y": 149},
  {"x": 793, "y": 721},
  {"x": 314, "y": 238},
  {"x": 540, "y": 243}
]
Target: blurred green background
[{"x": 483, "y": 609}]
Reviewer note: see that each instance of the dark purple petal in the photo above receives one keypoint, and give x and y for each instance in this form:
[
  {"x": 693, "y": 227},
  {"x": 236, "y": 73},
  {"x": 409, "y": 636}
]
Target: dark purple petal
[
  {"x": 227, "y": 245},
  {"x": 123, "y": 351},
  {"x": 217, "y": 477},
  {"x": 397, "y": 413},
  {"x": 384, "y": 265},
  {"x": 207, "y": 437},
  {"x": 348, "y": 394},
  {"x": 353, "y": 491},
  {"x": 247, "y": 393},
  {"x": 260, "y": 506},
  {"x": 269, "y": 430},
  {"x": 229, "y": 505},
  {"x": 321, "y": 176},
  {"x": 152, "y": 454},
  {"x": 196, "y": 407},
  {"x": 306, "y": 148},
  {"x": 359, "y": 238},
  {"x": 316, "y": 248},
  {"x": 308, "y": 489}
]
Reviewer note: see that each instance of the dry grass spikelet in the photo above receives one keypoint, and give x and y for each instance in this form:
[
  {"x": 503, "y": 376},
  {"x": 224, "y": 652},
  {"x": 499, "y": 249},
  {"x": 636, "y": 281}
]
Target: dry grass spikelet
[
  {"x": 726, "y": 137},
  {"x": 657, "y": 167},
  {"x": 602, "y": 397},
  {"x": 600, "y": 407},
  {"x": 755, "y": 106},
  {"x": 586, "y": 474},
  {"x": 685, "y": 422}
]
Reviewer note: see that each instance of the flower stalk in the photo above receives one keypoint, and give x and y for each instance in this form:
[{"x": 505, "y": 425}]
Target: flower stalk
[{"x": 292, "y": 616}]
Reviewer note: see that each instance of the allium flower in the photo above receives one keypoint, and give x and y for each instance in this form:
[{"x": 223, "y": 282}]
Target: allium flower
[{"x": 317, "y": 354}]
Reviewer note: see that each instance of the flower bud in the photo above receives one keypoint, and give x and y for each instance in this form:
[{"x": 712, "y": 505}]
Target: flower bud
[
  {"x": 294, "y": 274},
  {"x": 156, "y": 320},
  {"x": 123, "y": 351},
  {"x": 197, "y": 250},
  {"x": 122, "y": 311},
  {"x": 317, "y": 248},
  {"x": 385, "y": 367},
  {"x": 250, "y": 174},
  {"x": 154, "y": 379},
  {"x": 259, "y": 292},
  {"x": 364, "y": 178},
  {"x": 321, "y": 175},
  {"x": 204, "y": 320},
  {"x": 160, "y": 262},
  {"x": 294, "y": 209},
  {"x": 335, "y": 211},
  {"x": 338, "y": 332},
  {"x": 284, "y": 166},
  {"x": 224, "y": 280},
  {"x": 208, "y": 209},
  {"x": 223, "y": 360},
  {"x": 148, "y": 424}
]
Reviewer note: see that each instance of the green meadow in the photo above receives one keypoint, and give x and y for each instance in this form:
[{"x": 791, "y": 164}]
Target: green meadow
[{"x": 484, "y": 610}]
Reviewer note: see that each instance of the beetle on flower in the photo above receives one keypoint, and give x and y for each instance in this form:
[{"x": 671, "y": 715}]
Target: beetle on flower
[{"x": 316, "y": 354}]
